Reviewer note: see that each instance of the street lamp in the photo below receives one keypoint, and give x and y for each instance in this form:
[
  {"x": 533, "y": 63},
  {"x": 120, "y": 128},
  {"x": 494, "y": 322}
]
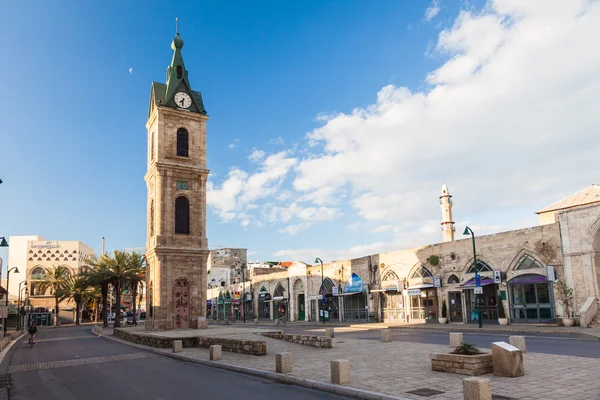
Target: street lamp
[
  {"x": 468, "y": 231},
  {"x": 3, "y": 242},
  {"x": 19, "y": 305},
  {"x": 243, "y": 300},
  {"x": 322, "y": 281}
]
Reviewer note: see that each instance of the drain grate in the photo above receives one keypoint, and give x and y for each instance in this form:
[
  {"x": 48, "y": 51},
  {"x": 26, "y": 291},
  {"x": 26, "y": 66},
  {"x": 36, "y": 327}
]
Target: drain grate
[
  {"x": 500, "y": 397},
  {"x": 5, "y": 381},
  {"x": 425, "y": 392}
]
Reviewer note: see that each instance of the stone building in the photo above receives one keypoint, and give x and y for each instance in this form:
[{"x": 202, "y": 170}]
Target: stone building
[
  {"x": 517, "y": 269},
  {"x": 176, "y": 244}
]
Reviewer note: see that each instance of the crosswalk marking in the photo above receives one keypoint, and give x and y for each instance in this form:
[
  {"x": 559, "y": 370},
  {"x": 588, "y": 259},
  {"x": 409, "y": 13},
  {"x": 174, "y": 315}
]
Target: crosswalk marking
[{"x": 77, "y": 362}]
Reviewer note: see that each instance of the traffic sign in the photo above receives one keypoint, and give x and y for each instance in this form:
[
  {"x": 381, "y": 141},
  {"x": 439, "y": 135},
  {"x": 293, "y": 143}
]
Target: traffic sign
[
  {"x": 324, "y": 293},
  {"x": 477, "y": 280},
  {"x": 479, "y": 290}
]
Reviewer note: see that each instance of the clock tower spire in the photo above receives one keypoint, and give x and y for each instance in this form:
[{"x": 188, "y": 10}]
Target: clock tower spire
[{"x": 176, "y": 240}]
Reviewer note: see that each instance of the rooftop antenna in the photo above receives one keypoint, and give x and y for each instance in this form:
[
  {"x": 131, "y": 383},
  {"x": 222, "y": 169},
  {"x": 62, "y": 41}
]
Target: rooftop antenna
[{"x": 177, "y": 26}]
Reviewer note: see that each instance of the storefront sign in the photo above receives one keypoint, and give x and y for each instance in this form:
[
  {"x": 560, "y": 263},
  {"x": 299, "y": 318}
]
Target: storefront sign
[
  {"x": 354, "y": 285},
  {"x": 479, "y": 290},
  {"x": 497, "y": 276},
  {"x": 47, "y": 245},
  {"x": 334, "y": 290},
  {"x": 437, "y": 282},
  {"x": 413, "y": 292}
]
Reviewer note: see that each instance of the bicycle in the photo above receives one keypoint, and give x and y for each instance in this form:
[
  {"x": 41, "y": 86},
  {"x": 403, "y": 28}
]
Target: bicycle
[{"x": 31, "y": 341}]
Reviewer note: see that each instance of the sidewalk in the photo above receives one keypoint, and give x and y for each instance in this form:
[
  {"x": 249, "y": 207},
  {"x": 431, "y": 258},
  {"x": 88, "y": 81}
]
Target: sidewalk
[{"x": 398, "y": 368}]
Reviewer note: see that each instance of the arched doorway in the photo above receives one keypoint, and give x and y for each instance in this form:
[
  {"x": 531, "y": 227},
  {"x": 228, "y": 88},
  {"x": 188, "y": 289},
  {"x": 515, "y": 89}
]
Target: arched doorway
[
  {"x": 329, "y": 305},
  {"x": 280, "y": 303},
  {"x": 422, "y": 295},
  {"x": 355, "y": 299},
  {"x": 264, "y": 305},
  {"x": 300, "y": 312},
  {"x": 181, "y": 295},
  {"x": 596, "y": 248},
  {"x": 488, "y": 298},
  {"x": 531, "y": 295},
  {"x": 392, "y": 300}
]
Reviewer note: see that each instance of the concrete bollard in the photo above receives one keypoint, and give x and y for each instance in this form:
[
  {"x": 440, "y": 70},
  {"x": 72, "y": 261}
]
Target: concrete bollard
[
  {"x": 215, "y": 352},
  {"x": 283, "y": 363},
  {"x": 456, "y": 339},
  {"x": 177, "y": 346},
  {"x": 340, "y": 372},
  {"x": 518, "y": 342},
  {"x": 507, "y": 359},
  {"x": 329, "y": 332},
  {"x": 477, "y": 389},
  {"x": 386, "y": 335}
]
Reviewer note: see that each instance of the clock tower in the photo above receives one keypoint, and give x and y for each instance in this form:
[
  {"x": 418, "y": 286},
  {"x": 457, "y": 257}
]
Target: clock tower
[{"x": 176, "y": 245}]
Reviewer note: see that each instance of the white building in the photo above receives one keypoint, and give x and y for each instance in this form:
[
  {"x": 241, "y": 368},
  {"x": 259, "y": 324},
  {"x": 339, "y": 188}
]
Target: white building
[{"x": 17, "y": 257}]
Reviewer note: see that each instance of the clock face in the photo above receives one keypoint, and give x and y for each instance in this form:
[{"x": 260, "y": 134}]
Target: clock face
[{"x": 183, "y": 100}]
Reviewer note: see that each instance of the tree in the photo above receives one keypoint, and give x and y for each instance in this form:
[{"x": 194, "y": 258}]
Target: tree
[
  {"x": 54, "y": 278},
  {"x": 92, "y": 298},
  {"x": 136, "y": 276},
  {"x": 118, "y": 271},
  {"x": 565, "y": 297},
  {"x": 99, "y": 275},
  {"x": 73, "y": 288}
]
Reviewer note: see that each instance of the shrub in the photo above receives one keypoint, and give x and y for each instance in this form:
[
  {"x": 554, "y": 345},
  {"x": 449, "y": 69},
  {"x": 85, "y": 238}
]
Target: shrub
[
  {"x": 444, "y": 309},
  {"x": 501, "y": 313},
  {"x": 466, "y": 349}
]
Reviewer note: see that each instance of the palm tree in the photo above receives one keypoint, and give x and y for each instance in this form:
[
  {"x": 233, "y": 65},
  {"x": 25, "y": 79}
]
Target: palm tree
[
  {"x": 118, "y": 271},
  {"x": 92, "y": 298},
  {"x": 54, "y": 278},
  {"x": 73, "y": 289},
  {"x": 136, "y": 276},
  {"x": 99, "y": 275}
]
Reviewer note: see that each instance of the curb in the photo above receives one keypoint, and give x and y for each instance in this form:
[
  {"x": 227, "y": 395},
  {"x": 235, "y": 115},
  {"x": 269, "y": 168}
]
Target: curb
[{"x": 287, "y": 379}]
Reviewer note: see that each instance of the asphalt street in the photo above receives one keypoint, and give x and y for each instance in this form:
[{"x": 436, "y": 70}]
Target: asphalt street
[
  {"x": 71, "y": 363},
  {"x": 554, "y": 343}
]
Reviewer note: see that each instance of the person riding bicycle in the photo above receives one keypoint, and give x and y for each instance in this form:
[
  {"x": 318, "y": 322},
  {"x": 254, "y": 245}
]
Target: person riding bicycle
[{"x": 32, "y": 331}]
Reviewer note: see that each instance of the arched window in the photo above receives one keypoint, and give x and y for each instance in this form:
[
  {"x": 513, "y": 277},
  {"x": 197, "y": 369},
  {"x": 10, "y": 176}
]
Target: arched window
[
  {"x": 421, "y": 272},
  {"x": 278, "y": 291},
  {"x": 182, "y": 142},
  {"x": 151, "y": 222},
  {"x": 390, "y": 276},
  {"x": 182, "y": 215},
  {"x": 37, "y": 273},
  {"x": 528, "y": 262},
  {"x": 481, "y": 267},
  {"x": 327, "y": 286},
  {"x": 453, "y": 279},
  {"x": 179, "y": 72},
  {"x": 152, "y": 146}
]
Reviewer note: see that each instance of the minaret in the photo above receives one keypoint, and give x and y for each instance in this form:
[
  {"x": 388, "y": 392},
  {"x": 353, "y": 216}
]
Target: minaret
[{"x": 447, "y": 223}]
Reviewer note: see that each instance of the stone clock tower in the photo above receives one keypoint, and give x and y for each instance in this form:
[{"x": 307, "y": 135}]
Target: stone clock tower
[{"x": 176, "y": 246}]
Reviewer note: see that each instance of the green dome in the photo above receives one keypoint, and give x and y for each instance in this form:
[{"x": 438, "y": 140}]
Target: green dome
[{"x": 177, "y": 42}]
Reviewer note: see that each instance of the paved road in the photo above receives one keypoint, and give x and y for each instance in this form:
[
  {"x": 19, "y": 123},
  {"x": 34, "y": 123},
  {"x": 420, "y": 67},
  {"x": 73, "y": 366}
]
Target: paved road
[
  {"x": 548, "y": 343},
  {"x": 71, "y": 363}
]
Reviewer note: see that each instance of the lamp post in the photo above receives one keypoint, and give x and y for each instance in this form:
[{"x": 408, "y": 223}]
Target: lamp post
[
  {"x": 243, "y": 300},
  {"x": 469, "y": 231},
  {"x": 7, "y": 286},
  {"x": 322, "y": 281},
  {"x": 3, "y": 242},
  {"x": 19, "y": 305}
]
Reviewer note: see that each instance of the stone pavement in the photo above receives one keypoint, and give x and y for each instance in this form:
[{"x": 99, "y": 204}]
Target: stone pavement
[{"x": 397, "y": 368}]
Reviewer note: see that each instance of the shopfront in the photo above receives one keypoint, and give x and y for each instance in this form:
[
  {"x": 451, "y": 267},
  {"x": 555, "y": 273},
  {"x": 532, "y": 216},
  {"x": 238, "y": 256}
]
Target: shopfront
[
  {"x": 355, "y": 300},
  {"x": 488, "y": 301},
  {"x": 392, "y": 301},
  {"x": 421, "y": 296},
  {"x": 280, "y": 304},
  {"x": 531, "y": 299},
  {"x": 264, "y": 304},
  {"x": 329, "y": 308}
]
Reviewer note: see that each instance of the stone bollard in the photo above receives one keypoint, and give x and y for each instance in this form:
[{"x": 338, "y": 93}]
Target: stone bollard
[
  {"x": 518, "y": 342},
  {"x": 456, "y": 339},
  {"x": 477, "y": 389},
  {"x": 256, "y": 320},
  {"x": 340, "y": 372},
  {"x": 202, "y": 323},
  {"x": 283, "y": 363},
  {"x": 507, "y": 359},
  {"x": 329, "y": 332},
  {"x": 177, "y": 346},
  {"x": 215, "y": 352},
  {"x": 386, "y": 335}
]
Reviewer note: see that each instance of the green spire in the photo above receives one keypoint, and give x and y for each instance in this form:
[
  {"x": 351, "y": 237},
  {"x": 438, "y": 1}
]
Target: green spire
[{"x": 177, "y": 75}]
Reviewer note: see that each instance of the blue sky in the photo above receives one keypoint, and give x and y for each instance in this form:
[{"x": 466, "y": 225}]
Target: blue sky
[{"x": 333, "y": 124}]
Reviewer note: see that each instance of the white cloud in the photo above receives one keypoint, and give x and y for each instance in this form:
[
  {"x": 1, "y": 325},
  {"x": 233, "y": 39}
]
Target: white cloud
[
  {"x": 432, "y": 10},
  {"x": 131, "y": 70},
  {"x": 295, "y": 228},
  {"x": 278, "y": 141},
  {"x": 234, "y": 144},
  {"x": 256, "y": 155}
]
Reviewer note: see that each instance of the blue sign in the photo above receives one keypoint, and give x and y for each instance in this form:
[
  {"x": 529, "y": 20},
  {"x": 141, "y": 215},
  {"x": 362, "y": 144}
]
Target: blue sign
[
  {"x": 477, "y": 280},
  {"x": 354, "y": 285},
  {"x": 323, "y": 298}
]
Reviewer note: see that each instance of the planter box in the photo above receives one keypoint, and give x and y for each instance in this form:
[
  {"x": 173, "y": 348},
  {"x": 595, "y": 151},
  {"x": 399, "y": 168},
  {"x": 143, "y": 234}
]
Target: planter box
[{"x": 480, "y": 364}]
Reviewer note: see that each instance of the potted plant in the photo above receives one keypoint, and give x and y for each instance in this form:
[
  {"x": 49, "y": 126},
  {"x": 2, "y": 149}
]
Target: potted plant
[
  {"x": 502, "y": 320},
  {"x": 443, "y": 320},
  {"x": 565, "y": 298}
]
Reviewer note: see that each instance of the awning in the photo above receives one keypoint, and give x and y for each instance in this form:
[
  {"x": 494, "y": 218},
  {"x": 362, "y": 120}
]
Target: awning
[
  {"x": 471, "y": 283},
  {"x": 350, "y": 294},
  {"x": 421, "y": 286},
  {"x": 530, "y": 278},
  {"x": 276, "y": 299}
]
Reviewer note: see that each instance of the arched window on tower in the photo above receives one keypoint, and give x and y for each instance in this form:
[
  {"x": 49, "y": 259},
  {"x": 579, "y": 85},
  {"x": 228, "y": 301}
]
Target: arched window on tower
[
  {"x": 152, "y": 146},
  {"x": 182, "y": 215},
  {"x": 179, "y": 72},
  {"x": 151, "y": 222},
  {"x": 182, "y": 142}
]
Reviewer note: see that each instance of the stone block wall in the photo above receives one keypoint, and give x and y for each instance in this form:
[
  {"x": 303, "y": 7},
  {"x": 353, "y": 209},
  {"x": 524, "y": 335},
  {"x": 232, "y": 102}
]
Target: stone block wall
[
  {"x": 459, "y": 364},
  {"x": 306, "y": 340}
]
